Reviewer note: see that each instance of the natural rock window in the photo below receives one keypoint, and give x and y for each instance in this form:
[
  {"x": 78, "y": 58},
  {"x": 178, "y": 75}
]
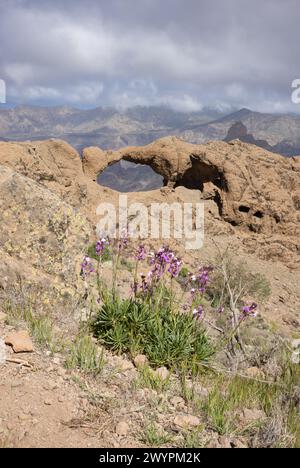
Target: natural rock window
[
  {"x": 244, "y": 209},
  {"x": 126, "y": 176}
]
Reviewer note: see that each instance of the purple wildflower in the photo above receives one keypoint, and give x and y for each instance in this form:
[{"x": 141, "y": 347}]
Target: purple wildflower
[
  {"x": 198, "y": 312},
  {"x": 203, "y": 278},
  {"x": 123, "y": 240},
  {"x": 86, "y": 267},
  {"x": 249, "y": 310},
  {"x": 145, "y": 285},
  {"x": 101, "y": 245},
  {"x": 160, "y": 261},
  {"x": 175, "y": 267},
  {"x": 141, "y": 253},
  {"x": 200, "y": 281},
  {"x": 163, "y": 256}
]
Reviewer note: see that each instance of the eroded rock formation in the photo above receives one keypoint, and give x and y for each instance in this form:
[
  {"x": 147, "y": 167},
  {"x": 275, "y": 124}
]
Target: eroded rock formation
[
  {"x": 248, "y": 191},
  {"x": 253, "y": 188}
]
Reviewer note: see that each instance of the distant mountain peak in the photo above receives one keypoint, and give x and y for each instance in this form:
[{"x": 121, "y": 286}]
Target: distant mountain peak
[{"x": 111, "y": 128}]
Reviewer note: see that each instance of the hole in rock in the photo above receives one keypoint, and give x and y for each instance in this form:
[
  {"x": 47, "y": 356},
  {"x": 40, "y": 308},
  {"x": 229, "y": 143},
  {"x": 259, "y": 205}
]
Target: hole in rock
[
  {"x": 126, "y": 176},
  {"x": 244, "y": 209},
  {"x": 201, "y": 173},
  {"x": 258, "y": 214}
]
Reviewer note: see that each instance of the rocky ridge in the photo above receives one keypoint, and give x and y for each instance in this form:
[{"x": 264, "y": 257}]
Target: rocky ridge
[{"x": 48, "y": 200}]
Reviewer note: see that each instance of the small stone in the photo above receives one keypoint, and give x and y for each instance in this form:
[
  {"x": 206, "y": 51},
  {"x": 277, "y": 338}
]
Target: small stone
[
  {"x": 22, "y": 434},
  {"x": 48, "y": 402},
  {"x": 2, "y": 316},
  {"x": 20, "y": 342},
  {"x": 61, "y": 371},
  {"x": 122, "y": 428},
  {"x": 214, "y": 443},
  {"x": 197, "y": 389},
  {"x": 237, "y": 443},
  {"x": 50, "y": 386},
  {"x": 140, "y": 360},
  {"x": 255, "y": 372},
  {"x": 23, "y": 417},
  {"x": 61, "y": 399},
  {"x": 186, "y": 421},
  {"x": 224, "y": 442},
  {"x": 162, "y": 373},
  {"x": 249, "y": 415},
  {"x": 177, "y": 401},
  {"x": 126, "y": 365}
]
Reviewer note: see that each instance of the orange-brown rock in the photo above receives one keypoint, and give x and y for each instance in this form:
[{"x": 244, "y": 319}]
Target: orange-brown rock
[
  {"x": 251, "y": 199},
  {"x": 253, "y": 189},
  {"x": 20, "y": 341},
  {"x": 247, "y": 190}
]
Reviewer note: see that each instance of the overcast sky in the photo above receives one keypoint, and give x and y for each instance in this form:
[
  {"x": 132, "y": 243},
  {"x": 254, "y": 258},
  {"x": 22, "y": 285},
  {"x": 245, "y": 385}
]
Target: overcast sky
[{"x": 183, "y": 53}]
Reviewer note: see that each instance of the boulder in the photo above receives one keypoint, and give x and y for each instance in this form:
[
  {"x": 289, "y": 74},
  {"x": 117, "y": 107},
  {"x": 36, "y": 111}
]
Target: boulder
[
  {"x": 42, "y": 238},
  {"x": 20, "y": 341}
]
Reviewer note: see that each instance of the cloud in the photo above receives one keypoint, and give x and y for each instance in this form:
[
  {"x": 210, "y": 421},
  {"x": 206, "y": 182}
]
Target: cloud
[{"x": 183, "y": 54}]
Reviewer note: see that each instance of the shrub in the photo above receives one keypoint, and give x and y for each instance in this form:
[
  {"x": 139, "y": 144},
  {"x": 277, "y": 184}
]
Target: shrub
[
  {"x": 153, "y": 320},
  {"x": 169, "y": 338},
  {"x": 240, "y": 279}
]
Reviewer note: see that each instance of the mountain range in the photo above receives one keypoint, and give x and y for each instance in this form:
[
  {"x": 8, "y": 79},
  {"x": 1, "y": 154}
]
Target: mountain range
[{"x": 112, "y": 128}]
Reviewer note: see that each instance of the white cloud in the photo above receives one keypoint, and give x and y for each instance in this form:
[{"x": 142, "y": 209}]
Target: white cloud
[{"x": 182, "y": 54}]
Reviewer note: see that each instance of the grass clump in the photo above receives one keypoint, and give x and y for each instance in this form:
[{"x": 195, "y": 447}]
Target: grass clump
[
  {"x": 148, "y": 378},
  {"x": 40, "y": 326},
  {"x": 195, "y": 438},
  {"x": 154, "y": 436},
  {"x": 85, "y": 355},
  {"x": 166, "y": 337},
  {"x": 229, "y": 396}
]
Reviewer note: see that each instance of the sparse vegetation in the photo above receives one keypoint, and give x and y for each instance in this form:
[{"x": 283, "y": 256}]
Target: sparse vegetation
[
  {"x": 154, "y": 436},
  {"x": 236, "y": 277},
  {"x": 155, "y": 321},
  {"x": 148, "y": 378},
  {"x": 105, "y": 257},
  {"x": 85, "y": 355},
  {"x": 167, "y": 338},
  {"x": 40, "y": 326},
  {"x": 172, "y": 328},
  {"x": 195, "y": 438}
]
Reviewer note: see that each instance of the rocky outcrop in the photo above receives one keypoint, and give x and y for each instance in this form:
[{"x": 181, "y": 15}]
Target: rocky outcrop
[
  {"x": 248, "y": 191},
  {"x": 239, "y": 131},
  {"x": 42, "y": 239},
  {"x": 254, "y": 189}
]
